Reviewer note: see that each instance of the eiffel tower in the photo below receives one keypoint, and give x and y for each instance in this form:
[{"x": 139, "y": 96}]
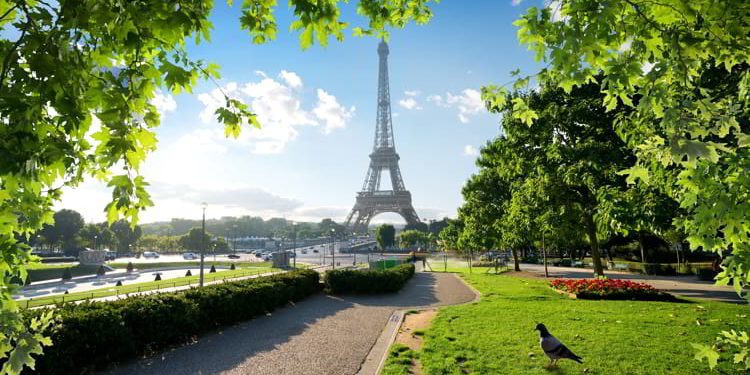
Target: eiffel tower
[{"x": 372, "y": 201}]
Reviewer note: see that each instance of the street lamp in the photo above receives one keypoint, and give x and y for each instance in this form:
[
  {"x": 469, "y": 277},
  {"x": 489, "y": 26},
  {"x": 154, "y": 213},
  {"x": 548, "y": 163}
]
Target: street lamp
[
  {"x": 95, "y": 247},
  {"x": 333, "y": 248},
  {"x": 204, "y": 205},
  {"x": 294, "y": 244}
]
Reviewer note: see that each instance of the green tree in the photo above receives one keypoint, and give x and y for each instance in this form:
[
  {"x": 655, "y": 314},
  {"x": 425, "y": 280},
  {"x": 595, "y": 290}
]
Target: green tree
[
  {"x": 413, "y": 238},
  {"x": 195, "y": 240},
  {"x": 67, "y": 225},
  {"x": 564, "y": 162},
  {"x": 126, "y": 235},
  {"x": 68, "y": 65},
  {"x": 385, "y": 236},
  {"x": 449, "y": 235},
  {"x": 682, "y": 67},
  {"x": 89, "y": 236}
]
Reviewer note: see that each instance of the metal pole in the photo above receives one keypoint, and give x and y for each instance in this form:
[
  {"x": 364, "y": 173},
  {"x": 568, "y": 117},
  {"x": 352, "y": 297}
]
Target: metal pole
[
  {"x": 333, "y": 248},
  {"x": 544, "y": 252},
  {"x": 294, "y": 244},
  {"x": 203, "y": 242}
]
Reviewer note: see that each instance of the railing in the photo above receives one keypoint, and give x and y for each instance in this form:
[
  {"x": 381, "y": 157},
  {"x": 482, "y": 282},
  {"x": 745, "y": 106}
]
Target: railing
[{"x": 125, "y": 291}]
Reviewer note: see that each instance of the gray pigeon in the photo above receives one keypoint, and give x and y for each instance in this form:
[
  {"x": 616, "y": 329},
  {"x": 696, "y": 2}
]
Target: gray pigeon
[{"x": 553, "y": 348}]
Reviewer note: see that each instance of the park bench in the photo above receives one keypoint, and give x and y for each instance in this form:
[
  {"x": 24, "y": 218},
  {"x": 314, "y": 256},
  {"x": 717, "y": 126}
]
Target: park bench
[
  {"x": 621, "y": 267},
  {"x": 577, "y": 263}
]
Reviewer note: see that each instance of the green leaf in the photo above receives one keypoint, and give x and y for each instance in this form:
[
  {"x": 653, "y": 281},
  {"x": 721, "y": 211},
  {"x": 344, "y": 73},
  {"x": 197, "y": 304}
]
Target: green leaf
[{"x": 708, "y": 353}]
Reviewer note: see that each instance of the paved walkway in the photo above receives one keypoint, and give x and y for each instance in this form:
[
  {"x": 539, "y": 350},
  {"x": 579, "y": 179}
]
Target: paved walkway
[
  {"x": 687, "y": 286},
  {"x": 319, "y": 335}
]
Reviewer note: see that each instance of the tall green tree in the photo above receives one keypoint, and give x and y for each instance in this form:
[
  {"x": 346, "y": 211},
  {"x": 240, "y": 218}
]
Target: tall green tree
[
  {"x": 195, "y": 240},
  {"x": 385, "y": 236},
  {"x": 126, "y": 235},
  {"x": 682, "y": 70},
  {"x": 564, "y": 162},
  {"x": 413, "y": 238}
]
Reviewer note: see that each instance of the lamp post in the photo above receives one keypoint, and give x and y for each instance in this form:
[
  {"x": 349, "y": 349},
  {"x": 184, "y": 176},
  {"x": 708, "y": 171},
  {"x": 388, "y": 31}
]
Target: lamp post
[
  {"x": 234, "y": 238},
  {"x": 203, "y": 241},
  {"x": 95, "y": 247},
  {"x": 294, "y": 244},
  {"x": 333, "y": 248}
]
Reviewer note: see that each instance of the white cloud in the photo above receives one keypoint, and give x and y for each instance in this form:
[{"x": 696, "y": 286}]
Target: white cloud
[
  {"x": 468, "y": 102},
  {"x": 516, "y": 2},
  {"x": 164, "y": 103},
  {"x": 409, "y": 103},
  {"x": 333, "y": 114},
  {"x": 279, "y": 107},
  {"x": 555, "y": 6},
  {"x": 291, "y": 79},
  {"x": 411, "y": 92},
  {"x": 470, "y": 150}
]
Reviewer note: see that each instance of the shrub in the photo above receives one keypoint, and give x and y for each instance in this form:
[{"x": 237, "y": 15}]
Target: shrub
[
  {"x": 101, "y": 271},
  {"x": 368, "y": 281},
  {"x": 93, "y": 335},
  {"x": 188, "y": 273},
  {"x": 213, "y": 269},
  {"x": 706, "y": 274},
  {"x": 603, "y": 288},
  {"x": 232, "y": 267},
  {"x": 67, "y": 275},
  {"x": 129, "y": 268},
  {"x": 659, "y": 269},
  {"x": 158, "y": 277}
]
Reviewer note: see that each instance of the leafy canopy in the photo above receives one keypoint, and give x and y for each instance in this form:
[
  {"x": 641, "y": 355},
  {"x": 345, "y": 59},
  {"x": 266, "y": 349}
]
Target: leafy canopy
[{"x": 661, "y": 59}]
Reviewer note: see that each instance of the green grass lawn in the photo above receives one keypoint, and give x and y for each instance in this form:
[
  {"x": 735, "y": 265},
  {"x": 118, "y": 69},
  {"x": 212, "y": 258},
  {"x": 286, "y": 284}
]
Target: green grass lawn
[
  {"x": 496, "y": 334},
  {"x": 144, "y": 286}
]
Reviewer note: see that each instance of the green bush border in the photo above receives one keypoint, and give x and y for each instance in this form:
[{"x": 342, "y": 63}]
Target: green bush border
[
  {"x": 369, "y": 281},
  {"x": 93, "y": 335}
]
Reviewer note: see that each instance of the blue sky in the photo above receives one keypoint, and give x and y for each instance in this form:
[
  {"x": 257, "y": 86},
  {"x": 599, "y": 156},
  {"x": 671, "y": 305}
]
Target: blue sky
[{"x": 318, "y": 107}]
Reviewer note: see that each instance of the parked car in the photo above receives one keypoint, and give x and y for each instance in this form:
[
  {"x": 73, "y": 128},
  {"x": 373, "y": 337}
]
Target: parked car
[
  {"x": 267, "y": 257},
  {"x": 233, "y": 256},
  {"x": 109, "y": 255},
  {"x": 315, "y": 251},
  {"x": 304, "y": 251},
  {"x": 188, "y": 256},
  {"x": 151, "y": 254}
]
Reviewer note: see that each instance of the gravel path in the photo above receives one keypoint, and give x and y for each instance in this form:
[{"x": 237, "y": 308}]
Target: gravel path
[
  {"x": 319, "y": 335},
  {"x": 688, "y": 286}
]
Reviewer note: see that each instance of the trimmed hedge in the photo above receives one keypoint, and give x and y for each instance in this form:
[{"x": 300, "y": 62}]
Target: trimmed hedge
[
  {"x": 368, "y": 281},
  {"x": 93, "y": 335}
]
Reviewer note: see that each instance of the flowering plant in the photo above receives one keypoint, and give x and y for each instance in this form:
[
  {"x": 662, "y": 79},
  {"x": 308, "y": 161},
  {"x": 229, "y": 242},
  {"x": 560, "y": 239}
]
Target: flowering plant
[{"x": 603, "y": 288}]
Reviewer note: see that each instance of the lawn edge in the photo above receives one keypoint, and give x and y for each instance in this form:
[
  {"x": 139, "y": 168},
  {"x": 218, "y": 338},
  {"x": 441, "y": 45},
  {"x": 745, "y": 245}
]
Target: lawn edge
[{"x": 388, "y": 336}]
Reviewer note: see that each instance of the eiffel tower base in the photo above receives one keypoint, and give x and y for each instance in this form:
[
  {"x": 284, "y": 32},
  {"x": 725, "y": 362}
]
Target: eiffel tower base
[{"x": 371, "y": 204}]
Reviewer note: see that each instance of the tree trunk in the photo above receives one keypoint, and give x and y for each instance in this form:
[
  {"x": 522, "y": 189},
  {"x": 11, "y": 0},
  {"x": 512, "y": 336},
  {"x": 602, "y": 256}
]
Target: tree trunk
[
  {"x": 595, "y": 256},
  {"x": 640, "y": 243},
  {"x": 516, "y": 263}
]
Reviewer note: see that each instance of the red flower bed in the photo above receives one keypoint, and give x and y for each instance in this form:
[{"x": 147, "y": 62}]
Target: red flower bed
[{"x": 610, "y": 289}]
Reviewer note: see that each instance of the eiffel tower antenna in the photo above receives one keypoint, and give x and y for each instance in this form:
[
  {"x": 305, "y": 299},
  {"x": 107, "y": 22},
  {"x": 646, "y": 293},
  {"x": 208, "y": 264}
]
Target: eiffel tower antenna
[{"x": 372, "y": 201}]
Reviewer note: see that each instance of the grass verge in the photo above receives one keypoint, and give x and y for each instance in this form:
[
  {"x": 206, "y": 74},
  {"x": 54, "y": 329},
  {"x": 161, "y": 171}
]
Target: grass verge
[
  {"x": 399, "y": 361},
  {"x": 496, "y": 334},
  {"x": 143, "y": 287}
]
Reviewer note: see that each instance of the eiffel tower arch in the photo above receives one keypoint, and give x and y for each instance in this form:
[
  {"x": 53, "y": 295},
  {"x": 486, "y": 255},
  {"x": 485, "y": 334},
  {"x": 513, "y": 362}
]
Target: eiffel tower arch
[{"x": 371, "y": 201}]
